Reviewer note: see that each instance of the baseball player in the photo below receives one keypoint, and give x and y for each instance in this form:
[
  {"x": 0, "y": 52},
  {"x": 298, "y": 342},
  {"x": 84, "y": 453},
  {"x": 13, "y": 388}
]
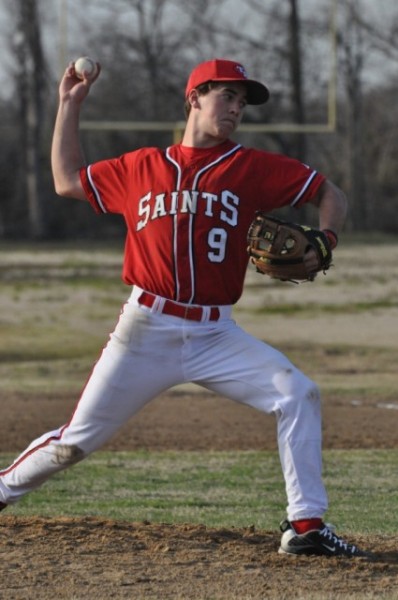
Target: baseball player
[{"x": 187, "y": 210}]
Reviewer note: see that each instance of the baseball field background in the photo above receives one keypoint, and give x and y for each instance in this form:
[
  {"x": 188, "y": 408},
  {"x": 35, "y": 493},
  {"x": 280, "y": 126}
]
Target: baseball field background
[{"x": 184, "y": 503}]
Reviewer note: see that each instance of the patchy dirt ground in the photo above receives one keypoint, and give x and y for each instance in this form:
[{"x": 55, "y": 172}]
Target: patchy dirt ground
[
  {"x": 193, "y": 420},
  {"x": 93, "y": 558}
]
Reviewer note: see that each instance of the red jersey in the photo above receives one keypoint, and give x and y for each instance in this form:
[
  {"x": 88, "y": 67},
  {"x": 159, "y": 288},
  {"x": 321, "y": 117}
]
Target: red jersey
[{"x": 188, "y": 210}]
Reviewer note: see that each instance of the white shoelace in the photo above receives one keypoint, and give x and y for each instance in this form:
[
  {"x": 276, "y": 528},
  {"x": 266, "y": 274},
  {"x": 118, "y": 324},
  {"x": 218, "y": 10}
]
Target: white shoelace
[{"x": 328, "y": 534}]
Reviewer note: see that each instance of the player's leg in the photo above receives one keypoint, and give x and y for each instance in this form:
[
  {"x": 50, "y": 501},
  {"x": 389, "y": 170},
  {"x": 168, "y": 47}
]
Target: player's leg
[
  {"x": 237, "y": 365},
  {"x": 139, "y": 362}
]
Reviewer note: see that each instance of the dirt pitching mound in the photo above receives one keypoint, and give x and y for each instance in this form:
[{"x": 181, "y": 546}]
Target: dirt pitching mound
[{"x": 102, "y": 559}]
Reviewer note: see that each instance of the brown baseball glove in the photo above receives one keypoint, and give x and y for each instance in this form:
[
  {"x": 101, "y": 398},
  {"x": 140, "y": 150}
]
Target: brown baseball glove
[{"x": 277, "y": 248}]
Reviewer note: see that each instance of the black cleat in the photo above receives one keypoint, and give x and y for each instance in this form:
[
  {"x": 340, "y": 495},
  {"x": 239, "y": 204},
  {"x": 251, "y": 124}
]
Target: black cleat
[{"x": 317, "y": 542}]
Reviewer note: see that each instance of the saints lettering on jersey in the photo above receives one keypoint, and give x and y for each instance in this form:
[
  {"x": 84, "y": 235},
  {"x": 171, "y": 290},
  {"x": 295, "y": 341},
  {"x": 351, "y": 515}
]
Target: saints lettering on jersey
[{"x": 187, "y": 201}]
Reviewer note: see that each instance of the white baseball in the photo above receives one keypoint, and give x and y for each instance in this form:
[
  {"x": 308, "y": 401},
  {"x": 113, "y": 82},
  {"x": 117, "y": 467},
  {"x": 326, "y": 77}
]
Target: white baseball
[{"x": 86, "y": 65}]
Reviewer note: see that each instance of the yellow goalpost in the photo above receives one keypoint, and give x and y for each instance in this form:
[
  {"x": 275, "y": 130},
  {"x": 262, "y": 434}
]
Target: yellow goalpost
[{"x": 177, "y": 128}]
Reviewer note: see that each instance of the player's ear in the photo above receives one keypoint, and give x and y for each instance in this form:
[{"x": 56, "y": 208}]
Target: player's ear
[{"x": 193, "y": 98}]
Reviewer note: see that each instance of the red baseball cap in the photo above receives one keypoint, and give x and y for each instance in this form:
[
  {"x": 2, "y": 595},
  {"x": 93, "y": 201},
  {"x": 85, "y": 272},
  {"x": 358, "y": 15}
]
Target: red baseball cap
[{"x": 227, "y": 70}]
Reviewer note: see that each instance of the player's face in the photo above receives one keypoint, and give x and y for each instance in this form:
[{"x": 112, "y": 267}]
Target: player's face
[{"x": 222, "y": 110}]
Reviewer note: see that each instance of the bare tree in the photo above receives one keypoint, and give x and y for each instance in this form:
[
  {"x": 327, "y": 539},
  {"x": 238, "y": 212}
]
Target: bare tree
[
  {"x": 353, "y": 48},
  {"x": 296, "y": 67},
  {"x": 30, "y": 82}
]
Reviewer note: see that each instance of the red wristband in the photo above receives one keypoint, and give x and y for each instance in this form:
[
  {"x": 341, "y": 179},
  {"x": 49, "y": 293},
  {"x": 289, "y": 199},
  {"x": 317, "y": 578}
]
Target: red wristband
[{"x": 332, "y": 238}]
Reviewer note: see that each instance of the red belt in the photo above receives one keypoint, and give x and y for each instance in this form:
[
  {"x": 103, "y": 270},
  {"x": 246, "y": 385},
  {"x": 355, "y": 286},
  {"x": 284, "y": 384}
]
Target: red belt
[{"x": 184, "y": 311}]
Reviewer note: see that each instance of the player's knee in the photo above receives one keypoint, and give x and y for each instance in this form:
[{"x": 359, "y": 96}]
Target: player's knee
[
  {"x": 308, "y": 402},
  {"x": 312, "y": 392},
  {"x": 308, "y": 392},
  {"x": 300, "y": 396},
  {"x": 303, "y": 412},
  {"x": 67, "y": 455},
  {"x": 291, "y": 383}
]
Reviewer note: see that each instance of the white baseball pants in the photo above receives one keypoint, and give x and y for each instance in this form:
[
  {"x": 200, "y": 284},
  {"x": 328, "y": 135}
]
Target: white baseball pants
[{"x": 150, "y": 352}]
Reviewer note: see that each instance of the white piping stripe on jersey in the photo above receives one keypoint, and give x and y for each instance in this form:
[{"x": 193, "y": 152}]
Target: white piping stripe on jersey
[
  {"x": 191, "y": 217},
  {"x": 190, "y": 250},
  {"x": 96, "y": 193},
  {"x": 175, "y": 218},
  {"x": 175, "y": 250},
  {"x": 219, "y": 159},
  {"x": 304, "y": 188}
]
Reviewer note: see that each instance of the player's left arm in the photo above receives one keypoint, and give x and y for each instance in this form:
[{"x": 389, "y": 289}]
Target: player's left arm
[{"x": 332, "y": 206}]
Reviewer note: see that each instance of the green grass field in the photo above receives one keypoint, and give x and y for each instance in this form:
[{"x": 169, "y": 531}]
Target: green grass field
[{"x": 223, "y": 489}]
